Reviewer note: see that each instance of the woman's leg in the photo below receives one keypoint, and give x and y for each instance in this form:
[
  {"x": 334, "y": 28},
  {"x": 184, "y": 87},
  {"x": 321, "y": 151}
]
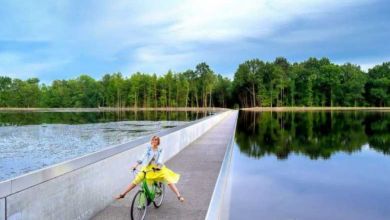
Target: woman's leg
[
  {"x": 128, "y": 189},
  {"x": 138, "y": 178},
  {"x": 173, "y": 187}
]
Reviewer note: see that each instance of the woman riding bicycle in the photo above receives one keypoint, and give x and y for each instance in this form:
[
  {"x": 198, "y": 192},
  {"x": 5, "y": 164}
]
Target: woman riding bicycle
[{"x": 152, "y": 160}]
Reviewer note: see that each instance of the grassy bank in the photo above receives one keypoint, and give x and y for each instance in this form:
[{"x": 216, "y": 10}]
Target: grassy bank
[{"x": 284, "y": 109}]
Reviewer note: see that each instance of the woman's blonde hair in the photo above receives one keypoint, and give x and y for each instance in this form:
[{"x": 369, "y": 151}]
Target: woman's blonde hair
[{"x": 157, "y": 138}]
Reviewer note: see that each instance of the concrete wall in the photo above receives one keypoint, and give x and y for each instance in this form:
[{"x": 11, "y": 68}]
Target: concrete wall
[
  {"x": 2, "y": 209},
  {"x": 80, "y": 188}
]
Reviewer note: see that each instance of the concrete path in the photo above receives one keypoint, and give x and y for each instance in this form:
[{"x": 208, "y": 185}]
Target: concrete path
[{"x": 199, "y": 165}]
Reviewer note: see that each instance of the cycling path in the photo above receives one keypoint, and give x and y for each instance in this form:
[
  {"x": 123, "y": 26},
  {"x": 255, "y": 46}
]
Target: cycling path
[{"x": 198, "y": 164}]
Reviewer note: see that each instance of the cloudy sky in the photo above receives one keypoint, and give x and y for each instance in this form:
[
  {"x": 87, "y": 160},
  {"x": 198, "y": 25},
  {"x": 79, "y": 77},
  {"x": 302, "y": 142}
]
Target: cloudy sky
[{"x": 62, "y": 39}]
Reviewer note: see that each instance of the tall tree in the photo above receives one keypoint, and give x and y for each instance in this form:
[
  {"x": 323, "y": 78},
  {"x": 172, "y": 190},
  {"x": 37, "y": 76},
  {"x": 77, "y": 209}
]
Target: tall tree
[
  {"x": 5, "y": 91},
  {"x": 207, "y": 79},
  {"x": 378, "y": 85}
]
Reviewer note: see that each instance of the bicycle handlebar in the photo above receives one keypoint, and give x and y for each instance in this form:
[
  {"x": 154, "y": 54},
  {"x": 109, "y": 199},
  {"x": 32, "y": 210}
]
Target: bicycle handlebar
[{"x": 146, "y": 171}]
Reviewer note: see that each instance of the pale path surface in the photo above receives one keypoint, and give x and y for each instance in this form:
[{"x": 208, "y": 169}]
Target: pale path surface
[{"x": 199, "y": 165}]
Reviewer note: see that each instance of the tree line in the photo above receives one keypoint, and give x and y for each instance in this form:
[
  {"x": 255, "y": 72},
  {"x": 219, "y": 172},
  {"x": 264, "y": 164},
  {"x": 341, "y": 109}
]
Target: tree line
[{"x": 314, "y": 82}]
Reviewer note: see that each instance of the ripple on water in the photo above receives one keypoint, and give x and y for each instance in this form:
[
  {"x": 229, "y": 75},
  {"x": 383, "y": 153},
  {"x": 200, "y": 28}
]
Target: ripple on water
[{"x": 31, "y": 147}]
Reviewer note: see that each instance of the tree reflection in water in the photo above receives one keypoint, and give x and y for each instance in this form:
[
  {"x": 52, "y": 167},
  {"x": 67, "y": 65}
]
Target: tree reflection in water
[
  {"x": 35, "y": 118},
  {"x": 314, "y": 134}
]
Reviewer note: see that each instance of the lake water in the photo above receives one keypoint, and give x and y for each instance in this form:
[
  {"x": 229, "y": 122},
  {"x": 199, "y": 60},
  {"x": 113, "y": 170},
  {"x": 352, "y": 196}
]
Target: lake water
[
  {"x": 311, "y": 165},
  {"x": 30, "y": 141}
]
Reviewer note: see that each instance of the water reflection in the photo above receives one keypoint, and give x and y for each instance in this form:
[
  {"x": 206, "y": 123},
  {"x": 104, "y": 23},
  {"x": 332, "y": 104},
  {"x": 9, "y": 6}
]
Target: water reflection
[
  {"x": 33, "y": 140},
  {"x": 311, "y": 165},
  {"x": 34, "y": 118},
  {"x": 314, "y": 134}
]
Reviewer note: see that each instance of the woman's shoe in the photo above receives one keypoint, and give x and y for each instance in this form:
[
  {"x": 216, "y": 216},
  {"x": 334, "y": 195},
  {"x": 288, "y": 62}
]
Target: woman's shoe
[
  {"x": 121, "y": 196},
  {"x": 180, "y": 198}
]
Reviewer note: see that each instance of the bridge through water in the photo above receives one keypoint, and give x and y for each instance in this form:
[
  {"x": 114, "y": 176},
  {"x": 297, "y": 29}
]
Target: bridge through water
[
  {"x": 199, "y": 165},
  {"x": 85, "y": 187}
]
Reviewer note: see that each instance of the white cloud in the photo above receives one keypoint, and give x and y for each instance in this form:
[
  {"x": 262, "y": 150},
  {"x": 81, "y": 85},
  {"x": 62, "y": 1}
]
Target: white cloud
[
  {"x": 202, "y": 20},
  {"x": 18, "y": 66},
  {"x": 318, "y": 34},
  {"x": 153, "y": 36},
  {"x": 199, "y": 21},
  {"x": 157, "y": 59}
]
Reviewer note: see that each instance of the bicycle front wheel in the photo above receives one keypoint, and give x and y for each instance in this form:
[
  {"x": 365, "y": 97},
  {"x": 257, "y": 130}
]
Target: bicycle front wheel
[
  {"x": 160, "y": 193},
  {"x": 138, "y": 206}
]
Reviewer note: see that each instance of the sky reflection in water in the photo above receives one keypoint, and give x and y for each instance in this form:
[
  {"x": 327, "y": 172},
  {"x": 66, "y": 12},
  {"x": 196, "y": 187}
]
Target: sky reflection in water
[{"x": 317, "y": 165}]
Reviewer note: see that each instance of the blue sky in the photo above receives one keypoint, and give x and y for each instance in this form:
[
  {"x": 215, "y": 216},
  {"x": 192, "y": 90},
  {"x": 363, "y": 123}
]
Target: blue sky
[{"x": 63, "y": 39}]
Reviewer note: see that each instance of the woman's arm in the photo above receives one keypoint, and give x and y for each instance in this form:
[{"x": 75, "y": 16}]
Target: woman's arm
[
  {"x": 160, "y": 158},
  {"x": 142, "y": 159},
  {"x": 134, "y": 166}
]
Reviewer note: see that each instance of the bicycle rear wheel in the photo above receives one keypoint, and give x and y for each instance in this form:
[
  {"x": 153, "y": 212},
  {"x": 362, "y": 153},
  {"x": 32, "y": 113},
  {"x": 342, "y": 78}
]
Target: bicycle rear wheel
[
  {"x": 138, "y": 206},
  {"x": 159, "y": 194}
]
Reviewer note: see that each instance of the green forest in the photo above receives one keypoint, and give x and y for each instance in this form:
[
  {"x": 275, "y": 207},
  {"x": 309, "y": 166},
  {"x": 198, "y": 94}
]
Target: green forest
[{"x": 314, "y": 82}]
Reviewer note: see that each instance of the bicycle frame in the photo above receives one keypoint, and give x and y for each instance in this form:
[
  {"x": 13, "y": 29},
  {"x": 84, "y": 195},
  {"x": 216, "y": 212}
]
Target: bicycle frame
[
  {"x": 146, "y": 195},
  {"x": 149, "y": 192}
]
